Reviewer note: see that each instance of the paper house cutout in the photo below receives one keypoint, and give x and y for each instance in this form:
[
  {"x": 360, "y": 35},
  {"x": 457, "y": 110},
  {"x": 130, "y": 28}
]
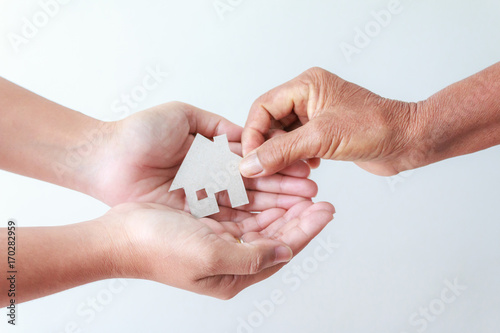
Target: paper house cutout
[{"x": 213, "y": 167}]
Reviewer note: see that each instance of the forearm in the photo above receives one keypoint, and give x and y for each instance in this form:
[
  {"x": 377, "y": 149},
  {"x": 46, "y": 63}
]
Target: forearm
[
  {"x": 53, "y": 259},
  {"x": 461, "y": 119},
  {"x": 44, "y": 140}
]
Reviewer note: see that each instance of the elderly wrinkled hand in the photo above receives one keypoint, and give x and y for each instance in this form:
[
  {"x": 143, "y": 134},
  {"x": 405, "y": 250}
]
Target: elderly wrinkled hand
[{"x": 320, "y": 115}]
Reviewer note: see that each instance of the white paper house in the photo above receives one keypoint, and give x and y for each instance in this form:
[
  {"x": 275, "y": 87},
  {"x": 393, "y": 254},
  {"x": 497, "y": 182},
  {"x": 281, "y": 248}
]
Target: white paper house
[{"x": 212, "y": 167}]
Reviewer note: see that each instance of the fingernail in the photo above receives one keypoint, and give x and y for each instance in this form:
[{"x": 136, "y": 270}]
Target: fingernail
[
  {"x": 250, "y": 165},
  {"x": 283, "y": 254}
]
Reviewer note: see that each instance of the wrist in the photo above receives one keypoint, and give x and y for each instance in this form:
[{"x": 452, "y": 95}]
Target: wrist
[
  {"x": 408, "y": 123},
  {"x": 460, "y": 119},
  {"x": 83, "y": 155},
  {"x": 127, "y": 252},
  {"x": 426, "y": 136},
  {"x": 111, "y": 251}
]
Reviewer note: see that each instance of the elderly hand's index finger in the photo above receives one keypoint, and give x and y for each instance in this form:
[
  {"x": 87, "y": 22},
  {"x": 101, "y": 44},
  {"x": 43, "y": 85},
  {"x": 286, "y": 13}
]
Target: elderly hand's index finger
[{"x": 276, "y": 104}]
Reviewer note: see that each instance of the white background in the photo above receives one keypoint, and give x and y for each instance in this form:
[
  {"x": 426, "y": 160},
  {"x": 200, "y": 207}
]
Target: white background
[{"x": 398, "y": 239}]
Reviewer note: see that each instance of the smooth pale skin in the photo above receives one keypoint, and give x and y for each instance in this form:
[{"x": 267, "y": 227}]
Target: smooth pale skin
[
  {"x": 131, "y": 160},
  {"x": 155, "y": 242},
  {"x": 319, "y": 115},
  {"x": 134, "y": 161}
]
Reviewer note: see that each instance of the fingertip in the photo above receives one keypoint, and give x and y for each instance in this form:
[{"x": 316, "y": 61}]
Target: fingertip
[
  {"x": 282, "y": 253},
  {"x": 322, "y": 218},
  {"x": 314, "y": 163},
  {"x": 321, "y": 206},
  {"x": 313, "y": 223},
  {"x": 313, "y": 188},
  {"x": 327, "y": 206},
  {"x": 250, "y": 166},
  {"x": 302, "y": 187}
]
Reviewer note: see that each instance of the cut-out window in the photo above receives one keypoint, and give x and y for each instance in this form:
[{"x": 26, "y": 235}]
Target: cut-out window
[{"x": 201, "y": 194}]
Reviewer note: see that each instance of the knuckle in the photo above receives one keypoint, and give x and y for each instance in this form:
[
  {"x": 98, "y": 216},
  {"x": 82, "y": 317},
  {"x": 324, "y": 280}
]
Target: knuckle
[
  {"x": 318, "y": 74},
  {"x": 321, "y": 86},
  {"x": 176, "y": 104},
  {"x": 316, "y": 71},
  {"x": 256, "y": 264},
  {"x": 318, "y": 128},
  {"x": 278, "y": 155},
  {"x": 261, "y": 103},
  {"x": 320, "y": 137},
  {"x": 296, "y": 146}
]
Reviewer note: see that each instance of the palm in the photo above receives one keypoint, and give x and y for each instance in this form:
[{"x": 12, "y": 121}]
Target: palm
[
  {"x": 147, "y": 149},
  {"x": 211, "y": 256}
]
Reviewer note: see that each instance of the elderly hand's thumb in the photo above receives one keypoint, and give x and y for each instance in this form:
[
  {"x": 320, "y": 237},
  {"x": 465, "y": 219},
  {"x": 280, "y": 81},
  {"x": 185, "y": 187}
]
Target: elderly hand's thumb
[{"x": 279, "y": 152}]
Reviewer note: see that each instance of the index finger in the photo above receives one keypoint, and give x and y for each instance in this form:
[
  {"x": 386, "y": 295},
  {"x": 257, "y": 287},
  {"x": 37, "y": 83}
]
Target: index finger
[
  {"x": 210, "y": 124},
  {"x": 277, "y": 103}
]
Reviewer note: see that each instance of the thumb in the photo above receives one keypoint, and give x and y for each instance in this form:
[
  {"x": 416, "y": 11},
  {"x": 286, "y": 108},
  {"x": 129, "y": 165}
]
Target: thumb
[
  {"x": 281, "y": 151},
  {"x": 251, "y": 258}
]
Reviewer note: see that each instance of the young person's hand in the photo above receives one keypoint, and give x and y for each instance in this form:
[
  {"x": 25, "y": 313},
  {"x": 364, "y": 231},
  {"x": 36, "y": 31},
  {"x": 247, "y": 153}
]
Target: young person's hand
[
  {"x": 211, "y": 257},
  {"x": 155, "y": 242},
  {"x": 131, "y": 160},
  {"x": 142, "y": 154}
]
